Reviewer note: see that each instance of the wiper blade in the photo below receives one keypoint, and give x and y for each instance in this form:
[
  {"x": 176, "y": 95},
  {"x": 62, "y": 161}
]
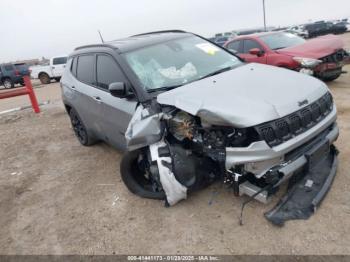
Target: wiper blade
[
  {"x": 279, "y": 48},
  {"x": 217, "y": 72},
  {"x": 163, "y": 88}
]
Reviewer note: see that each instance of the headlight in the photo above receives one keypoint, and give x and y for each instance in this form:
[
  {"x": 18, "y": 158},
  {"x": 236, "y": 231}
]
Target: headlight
[{"x": 307, "y": 62}]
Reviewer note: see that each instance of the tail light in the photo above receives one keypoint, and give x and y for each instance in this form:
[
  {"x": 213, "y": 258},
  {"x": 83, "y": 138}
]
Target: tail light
[{"x": 17, "y": 72}]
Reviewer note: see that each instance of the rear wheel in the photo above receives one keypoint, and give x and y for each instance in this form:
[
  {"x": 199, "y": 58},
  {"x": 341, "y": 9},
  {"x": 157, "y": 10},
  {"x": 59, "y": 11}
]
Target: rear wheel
[
  {"x": 80, "y": 130},
  {"x": 44, "y": 78},
  {"x": 8, "y": 83},
  {"x": 136, "y": 175}
]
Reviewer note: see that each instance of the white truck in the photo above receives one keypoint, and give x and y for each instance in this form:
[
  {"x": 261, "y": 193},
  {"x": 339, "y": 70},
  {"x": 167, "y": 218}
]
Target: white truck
[{"x": 53, "y": 70}]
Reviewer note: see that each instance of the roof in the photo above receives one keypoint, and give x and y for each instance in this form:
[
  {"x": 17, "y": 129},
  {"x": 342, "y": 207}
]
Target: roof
[
  {"x": 141, "y": 40},
  {"x": 259, "y": 34}
]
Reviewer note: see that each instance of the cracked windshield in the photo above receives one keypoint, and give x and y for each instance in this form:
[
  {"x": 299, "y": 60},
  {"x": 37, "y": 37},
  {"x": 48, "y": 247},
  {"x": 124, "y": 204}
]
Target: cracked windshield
[{"x": 178, "y": 62}]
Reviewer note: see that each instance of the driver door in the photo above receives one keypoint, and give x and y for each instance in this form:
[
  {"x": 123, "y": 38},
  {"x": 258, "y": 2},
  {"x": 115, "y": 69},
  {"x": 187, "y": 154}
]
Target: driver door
[
  {"x": 117, "y": 112},
  {"x": 249, "y": 44}
]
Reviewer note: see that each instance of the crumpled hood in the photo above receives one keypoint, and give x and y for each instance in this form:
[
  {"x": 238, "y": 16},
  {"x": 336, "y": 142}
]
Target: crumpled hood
[
  {"x": 245, "y": 96},
  {"x": 316, "y": 48}
]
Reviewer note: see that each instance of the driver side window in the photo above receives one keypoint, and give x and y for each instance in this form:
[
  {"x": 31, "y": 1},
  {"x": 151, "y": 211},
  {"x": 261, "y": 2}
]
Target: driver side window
[
  {"x": 250, "y": 44},
  {"x": 235, "y": 46},
  {"x": 107, "y": 72}
]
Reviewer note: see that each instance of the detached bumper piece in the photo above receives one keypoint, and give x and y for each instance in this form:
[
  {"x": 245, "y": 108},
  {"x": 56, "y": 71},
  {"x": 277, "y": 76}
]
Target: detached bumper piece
[{"x": 307, "y": 189}]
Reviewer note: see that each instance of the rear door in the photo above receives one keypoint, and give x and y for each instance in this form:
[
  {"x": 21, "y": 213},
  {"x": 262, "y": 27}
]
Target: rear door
[
  {"x": 117, "y": 112},
  {"x": 86, "y": 96},
  {"x": 58, "y": 66},
  {"x": 249, "y": 44}
]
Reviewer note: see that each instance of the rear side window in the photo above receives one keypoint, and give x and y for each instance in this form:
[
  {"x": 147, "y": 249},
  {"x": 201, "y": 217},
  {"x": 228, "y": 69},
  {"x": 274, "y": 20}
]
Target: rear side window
[
  {"x": 235, "y": 46},
  {"x": 59, "y": 60},
  {"x": 107, "y": 71},
  {"x": 74, "y": 66},
  {"x": 21, "y": 66},
  {"x": 9, "y": 67},
  {"x": 85, "y": 69}
]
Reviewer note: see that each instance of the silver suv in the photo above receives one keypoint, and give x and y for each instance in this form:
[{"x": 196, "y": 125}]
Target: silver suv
[{"x": 188, "y": 112}]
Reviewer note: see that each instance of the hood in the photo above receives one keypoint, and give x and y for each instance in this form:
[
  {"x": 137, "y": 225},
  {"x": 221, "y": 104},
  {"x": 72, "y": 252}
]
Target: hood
[
  {"x": 245, "y": 96},
  {"x": 316, "y": 48}
]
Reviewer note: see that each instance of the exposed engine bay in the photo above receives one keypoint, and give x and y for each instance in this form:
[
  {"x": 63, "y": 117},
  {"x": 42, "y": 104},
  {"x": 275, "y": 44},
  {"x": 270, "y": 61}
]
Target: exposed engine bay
[{"x": 184, "y": 153}]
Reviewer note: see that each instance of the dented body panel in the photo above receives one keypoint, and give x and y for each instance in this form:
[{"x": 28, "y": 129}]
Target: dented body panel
[{"x": 248, "y": 95}]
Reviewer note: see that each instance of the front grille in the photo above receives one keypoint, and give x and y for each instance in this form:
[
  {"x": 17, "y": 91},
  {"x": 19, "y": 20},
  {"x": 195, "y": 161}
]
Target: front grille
[
  {"x": 283, "y": 129},
  {"x": 335, "y": 57}
]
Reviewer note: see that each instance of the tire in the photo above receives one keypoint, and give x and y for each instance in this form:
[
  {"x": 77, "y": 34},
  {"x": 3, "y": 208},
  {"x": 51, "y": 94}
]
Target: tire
[
  {"x": 331, "y": 78},
  {"x": 57, "y": 79},
  {"x": 44, "y": 78},
  {"x": 8, "y": 83},
  {"x": 134, "y": 177},
  {"x": 80, "y": 130}
]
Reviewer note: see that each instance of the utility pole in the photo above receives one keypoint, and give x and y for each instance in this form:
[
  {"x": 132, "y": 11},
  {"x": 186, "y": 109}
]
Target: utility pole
[{"x": 264, "y": 15}]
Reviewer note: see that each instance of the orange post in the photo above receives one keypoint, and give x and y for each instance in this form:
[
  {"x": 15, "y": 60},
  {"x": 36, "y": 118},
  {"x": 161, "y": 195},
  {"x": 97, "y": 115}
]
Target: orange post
[{"x": 32, "y": 97}]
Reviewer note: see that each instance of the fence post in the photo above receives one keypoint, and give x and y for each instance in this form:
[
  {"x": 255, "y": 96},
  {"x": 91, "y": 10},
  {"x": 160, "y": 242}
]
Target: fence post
[{"x": 32, "y": 97}]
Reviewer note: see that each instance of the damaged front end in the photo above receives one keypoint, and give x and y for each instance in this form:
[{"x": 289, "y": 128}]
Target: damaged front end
[{"x": 185, "y": 153}]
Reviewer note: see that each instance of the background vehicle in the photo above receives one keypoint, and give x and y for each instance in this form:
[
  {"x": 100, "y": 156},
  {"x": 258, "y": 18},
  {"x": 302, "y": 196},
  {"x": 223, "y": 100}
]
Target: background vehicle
[
  {"x": 52, "y": 71},
  {"x": 11, "y": 74},
  {"x": 323, "y": 28},
  {"x": 298, "y": 30},
  {"x": 322, "y": 57},
  {"x": 221, "y": 40},
  {"x": 189, "y": 113}
]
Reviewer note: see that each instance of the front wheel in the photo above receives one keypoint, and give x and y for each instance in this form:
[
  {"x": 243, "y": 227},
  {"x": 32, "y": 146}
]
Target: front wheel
[
  {"x": 331, "y": 78},
  {"x": 136, "y": 174}
]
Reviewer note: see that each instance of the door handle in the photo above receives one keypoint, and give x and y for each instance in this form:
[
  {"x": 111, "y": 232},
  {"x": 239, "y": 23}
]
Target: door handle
[
  {"x": 97, "y": 99},
  {"x": 73, "y": 87}
]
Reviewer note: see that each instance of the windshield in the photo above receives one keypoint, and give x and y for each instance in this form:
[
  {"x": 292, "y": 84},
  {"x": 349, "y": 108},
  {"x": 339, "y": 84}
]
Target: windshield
[
  {"x": 177, "y": 62},
  {"x": 282, "y": 40}
]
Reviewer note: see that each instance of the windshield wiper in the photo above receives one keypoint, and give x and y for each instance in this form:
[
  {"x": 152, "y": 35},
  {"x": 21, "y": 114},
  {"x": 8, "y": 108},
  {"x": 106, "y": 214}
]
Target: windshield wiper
[
  {"x": 279, "y": 48},
  {"x": 217, "y": 72},
  {"x": 163, "y": 88}
]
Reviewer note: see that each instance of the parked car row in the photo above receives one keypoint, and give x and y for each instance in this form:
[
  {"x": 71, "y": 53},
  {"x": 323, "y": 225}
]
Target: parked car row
[
  {"x": 322, "y": 57},
  {"x": 323, "y": 28},
  {"x": 189, "y": 112},
  {"x": 12, "y": 74}
]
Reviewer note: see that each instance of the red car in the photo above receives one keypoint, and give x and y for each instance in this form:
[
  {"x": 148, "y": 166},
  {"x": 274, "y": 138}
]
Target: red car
[{"x": 322, "y": 57}]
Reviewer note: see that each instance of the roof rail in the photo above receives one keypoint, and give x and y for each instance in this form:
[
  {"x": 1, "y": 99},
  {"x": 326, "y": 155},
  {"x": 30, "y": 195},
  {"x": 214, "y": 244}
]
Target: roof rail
[
  {"x": 159, "y": 32},
  {"x": 95, "y": 45}
]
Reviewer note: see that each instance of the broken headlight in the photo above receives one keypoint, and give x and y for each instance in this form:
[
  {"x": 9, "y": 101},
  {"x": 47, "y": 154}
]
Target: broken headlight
[
  {"x": 184, "y": 126},
  {"x": 307, "y": 62}
]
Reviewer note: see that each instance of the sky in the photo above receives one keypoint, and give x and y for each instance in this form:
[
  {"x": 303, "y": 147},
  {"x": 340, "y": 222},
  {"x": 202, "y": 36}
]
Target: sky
[{"x": 37, "y": 28}]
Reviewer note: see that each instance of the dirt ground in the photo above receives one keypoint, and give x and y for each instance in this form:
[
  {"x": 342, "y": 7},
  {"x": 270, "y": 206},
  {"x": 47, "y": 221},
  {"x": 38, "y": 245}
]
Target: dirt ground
[{"x": 57, "y": 197}]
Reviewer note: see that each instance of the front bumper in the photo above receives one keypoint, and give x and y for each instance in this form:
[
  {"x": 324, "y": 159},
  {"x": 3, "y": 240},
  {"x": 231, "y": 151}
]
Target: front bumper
[
  {"x": 259, "y": 157},
  {"x": 311, "y": 185}
]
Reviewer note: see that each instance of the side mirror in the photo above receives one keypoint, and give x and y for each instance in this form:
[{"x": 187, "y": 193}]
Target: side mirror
[
  {"x": 256, "y": 51},
  {"x": 117, "y": 89}
]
